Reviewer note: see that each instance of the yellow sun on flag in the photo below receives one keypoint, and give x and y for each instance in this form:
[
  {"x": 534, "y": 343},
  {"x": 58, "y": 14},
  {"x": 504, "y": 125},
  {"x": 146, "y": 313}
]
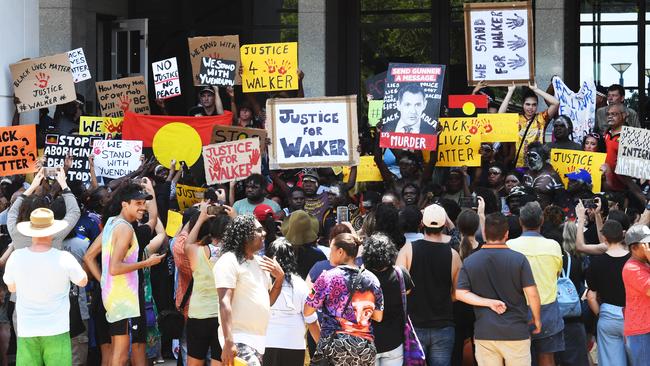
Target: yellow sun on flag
[{"x": 177, "y": 141}]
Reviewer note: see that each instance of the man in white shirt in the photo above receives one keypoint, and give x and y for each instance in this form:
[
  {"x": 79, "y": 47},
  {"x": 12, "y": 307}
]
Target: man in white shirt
[
  {"x": 411, "y": 103},
  {"x": 40, "y": 276}
]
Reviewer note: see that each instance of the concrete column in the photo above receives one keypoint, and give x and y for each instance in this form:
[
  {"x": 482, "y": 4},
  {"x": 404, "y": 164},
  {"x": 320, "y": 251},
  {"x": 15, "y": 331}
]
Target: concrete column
[
  {"x": 311, "y": 45},
  {"x": 549, "y": 41}
]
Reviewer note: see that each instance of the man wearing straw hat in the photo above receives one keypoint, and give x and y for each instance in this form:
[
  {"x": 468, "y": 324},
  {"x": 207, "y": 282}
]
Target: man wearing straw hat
[{"x": 40, "y": 276}]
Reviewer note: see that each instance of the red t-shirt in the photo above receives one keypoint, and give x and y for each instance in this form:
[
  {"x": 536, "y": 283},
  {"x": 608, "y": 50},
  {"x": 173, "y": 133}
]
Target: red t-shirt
[
  {"x": 636, "y": 277},
  {"x": 611, "y": 143}
]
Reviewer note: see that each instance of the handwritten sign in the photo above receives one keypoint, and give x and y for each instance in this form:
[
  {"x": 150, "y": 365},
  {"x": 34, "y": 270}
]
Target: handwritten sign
[
  {"x": 90, "y": 125},
  {"x": 17, "y": 150},
  {"x": 174, "y": 223},
  {"x": 217, "y": 72},
  {"x": 375, "y": 108},
  {"x": 231, "y": 161},
  {"x": 269, "y": 67},
  {"x": 78, "y": 64},
  {"x": 411, "y": 106},
  {"x": 458, "y": 143},
  {"x": 569, "y": 161},
  {"x": 367, "y": 171},
  {"x": 580, "y": 106},
  {"x": 231, "y": 133},
  {"x": 116, "y": 158},
  {"x": 498, "y": 127},
  {"x": 43, "y": 82},
  {"x": 375, "y": 85},
  {"x": 57, "y": 147},
  {"x": 634, "y": 153},
  {"x": 221, "y": 47},
  {"x": 117, "y": 96},
  {"x": 188, "y": 196},
  {"x": 499, "y": 39},
  {"x": 312, "y": 132},
  {"x": 165, "y": 78}
]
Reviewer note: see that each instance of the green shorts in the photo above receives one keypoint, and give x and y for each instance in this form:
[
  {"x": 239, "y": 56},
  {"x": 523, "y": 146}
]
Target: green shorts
[{"x": 44, "y": 351}]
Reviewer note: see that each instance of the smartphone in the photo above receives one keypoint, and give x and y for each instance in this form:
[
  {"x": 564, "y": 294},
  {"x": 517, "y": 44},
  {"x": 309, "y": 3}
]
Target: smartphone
[
  {"x": 469, "y": 202},
  {"x": 589, "y": 203},
  {"x": 50, "y": 172},
  {"x": 342, "y": 214},
  {"x": 215, "y": 210}
]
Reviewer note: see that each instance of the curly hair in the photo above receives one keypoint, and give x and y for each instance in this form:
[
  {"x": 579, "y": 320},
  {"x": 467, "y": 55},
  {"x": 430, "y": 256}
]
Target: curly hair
[
  {"x": 240, "y": 232},
  {"x": 283, "y": 252},
  {"x": 379, "y": 252},
  {"x": 387, "y": 222}
]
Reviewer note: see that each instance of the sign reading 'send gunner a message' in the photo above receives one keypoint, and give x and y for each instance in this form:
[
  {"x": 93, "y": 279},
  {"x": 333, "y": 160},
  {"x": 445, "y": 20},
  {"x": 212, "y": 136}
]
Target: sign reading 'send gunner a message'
[{"x": 634, "y": 153}]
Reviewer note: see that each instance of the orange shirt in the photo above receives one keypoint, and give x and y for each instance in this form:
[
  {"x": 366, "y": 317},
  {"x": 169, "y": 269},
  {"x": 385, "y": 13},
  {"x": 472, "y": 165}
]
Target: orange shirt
[
  {"x": 535, "y": 133},
  {"x": 636, "y": 314},
  {"x": 184, "y": 269}
]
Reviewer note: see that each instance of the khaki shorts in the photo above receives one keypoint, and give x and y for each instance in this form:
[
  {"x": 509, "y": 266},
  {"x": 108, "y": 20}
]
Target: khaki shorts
[{"x": 493, "y": 353}]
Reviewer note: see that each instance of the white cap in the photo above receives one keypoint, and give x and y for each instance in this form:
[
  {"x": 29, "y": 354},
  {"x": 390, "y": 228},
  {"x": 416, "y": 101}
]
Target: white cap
[{"x": 434, "y": 216}]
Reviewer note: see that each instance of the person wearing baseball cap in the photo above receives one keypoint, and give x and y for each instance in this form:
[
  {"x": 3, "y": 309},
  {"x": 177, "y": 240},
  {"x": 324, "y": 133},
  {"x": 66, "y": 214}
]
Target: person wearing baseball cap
[
  {"x": 636, "y": 278},
  {"x": 209, "y": 103},
  {"x": 41, "y": 276},
  {"x": 433, "y": 265}
]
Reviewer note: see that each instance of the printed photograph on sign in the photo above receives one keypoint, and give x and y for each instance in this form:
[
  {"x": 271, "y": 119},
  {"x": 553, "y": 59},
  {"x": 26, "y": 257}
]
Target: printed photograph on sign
[
  {"x": 232, "y": 161},
  {"x": 580, "y": 106},
  {"x": 116, "y": 158},
  {"x": 269, "y": 67},
  {"x": 117, "y": 96},
  {"x": 18, "y": 152},
  {"x": 499, "y": 43},
  {"x": 165, "y": 78},
  {"x": 634, "y": 153},
  {"x": 411, "y": 106},
  {"x": 79, "y": 66},
  {"x": 217, "y": 72},
  {"x": 217, "y": 47},
  {"x": 43, "y": 82},
  {"x": 58, "y": 147},
  {"x": 312, "y": 132}
]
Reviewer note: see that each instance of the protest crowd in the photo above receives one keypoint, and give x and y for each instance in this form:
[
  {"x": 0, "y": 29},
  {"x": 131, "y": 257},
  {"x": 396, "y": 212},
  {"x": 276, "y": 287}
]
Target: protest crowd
[{"x": 265, "y": 228}]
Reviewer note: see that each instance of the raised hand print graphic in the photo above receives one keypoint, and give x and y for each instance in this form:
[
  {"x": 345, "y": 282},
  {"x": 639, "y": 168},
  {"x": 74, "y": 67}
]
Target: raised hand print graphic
[
  {"x": 255, "y": 157},
  {"x": 517, "y": 43},
  {"x": 270, "y": 63},
  {"x": 515, "y": 22},
  {"x": 515, "y": 63},
  {"x": 125, "y": 102},
  {"x": 286, "y": 65},
  {"x": 42, "y": 80}
]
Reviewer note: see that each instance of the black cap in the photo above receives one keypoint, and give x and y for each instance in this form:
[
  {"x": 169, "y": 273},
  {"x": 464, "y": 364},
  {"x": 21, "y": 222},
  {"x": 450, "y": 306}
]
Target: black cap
[
  {"x": 137, "y": 195},
  {"x": 206, "y": 88}
]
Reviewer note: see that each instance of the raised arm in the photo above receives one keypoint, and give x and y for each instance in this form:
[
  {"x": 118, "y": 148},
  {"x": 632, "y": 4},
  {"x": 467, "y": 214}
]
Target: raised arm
[
  {"x": 580, "y": 235},
  {"x": 506, "y": 100},
  {"x": 551, "y": 101},
  {"x": 218, "y": 104}
]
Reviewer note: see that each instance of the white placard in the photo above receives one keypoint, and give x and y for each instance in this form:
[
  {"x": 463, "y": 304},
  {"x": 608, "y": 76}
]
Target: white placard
[
  {"x": 79, "y": 66},
  {"x": 116, "y": 158},
  {"x": 634, "y": 153},
  {"x": 165, "y": 78},
  {"x": 580, "y": 106}
]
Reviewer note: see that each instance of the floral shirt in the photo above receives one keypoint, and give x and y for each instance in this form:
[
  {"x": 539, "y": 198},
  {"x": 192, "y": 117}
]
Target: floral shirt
[{"x": 331, "y": 293}]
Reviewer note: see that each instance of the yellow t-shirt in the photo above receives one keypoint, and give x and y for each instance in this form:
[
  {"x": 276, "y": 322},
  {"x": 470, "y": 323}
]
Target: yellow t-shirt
[
  {"x": 545, "y": 258},
  {"x": 535, "y": 133}
]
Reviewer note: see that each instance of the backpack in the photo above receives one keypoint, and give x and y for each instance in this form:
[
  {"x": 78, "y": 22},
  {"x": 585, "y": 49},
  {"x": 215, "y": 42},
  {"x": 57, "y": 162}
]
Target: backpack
[{"x": 567, "y": 296}]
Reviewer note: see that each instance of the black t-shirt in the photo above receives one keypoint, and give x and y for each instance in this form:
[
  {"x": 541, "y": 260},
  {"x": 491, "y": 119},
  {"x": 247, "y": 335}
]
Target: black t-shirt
[
  {"x": 389, "y": 333},
  {"x": 307, "y": 256},
  {"x": 200, "y": 111},
  {"x": 499, "y": 274},
  {"x": 605, "y": 276}
]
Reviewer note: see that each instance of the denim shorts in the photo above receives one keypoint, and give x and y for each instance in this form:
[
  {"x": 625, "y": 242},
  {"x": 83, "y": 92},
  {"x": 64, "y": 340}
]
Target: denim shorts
[{"x": 550, "y": 344}]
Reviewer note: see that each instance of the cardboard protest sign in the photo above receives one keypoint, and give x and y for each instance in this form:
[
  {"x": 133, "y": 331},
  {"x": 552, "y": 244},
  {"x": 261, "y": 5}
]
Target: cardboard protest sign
[
  {"x": 375, "y": 85},
  {"x": 411, "y": 106},
  {"x": 375, "y": 108},
  {"x": 458, "y": 143},
  {"x": 269, "y": 67},
  {"x": 580, "y": 106},
  {"x": 57, "y": 147},
  {"x": 78, "y": 64},
  {"x": 18, "y": 153},
  {"x": 231, "y": 133},
  {"x": 90, "y": 125},
  {"x": 312, "y": 132},
  {"x": 174, "y": 223},
  {"x": 42, "y": 82},
  {"x": 188, "y": 196},
  {"x": 116, "y": 158},
  {"x": 217, "y": 72},
  {"x": 499, "y": 127},
  {"x": 367, "y": 171},
  {"x": 569, "y": 161},
  {"x": 634, "y": 153},
  {"x": 165, "y": 78},
  {"x": 231, "y": 161},
  {"x": 221, "y": 47},
  {"x": 117, "y": 96},
  {"x": 499, "y": 42}
]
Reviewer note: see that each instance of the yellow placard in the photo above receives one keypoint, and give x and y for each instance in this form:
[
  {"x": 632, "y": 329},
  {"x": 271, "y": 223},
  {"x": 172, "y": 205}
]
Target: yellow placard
[
  {"x": 188, "y": 196},
  {"x": 569, "y": 161},
  {"x": 367, "y": 171},
  {"x": 174, "y": 222},
  {"x": 90, "y": 125},
  {"x": 269, "y": 67},
  {"x": 375, "y": 110},
  {"x": 458, "y": 143},
  {"x": 499, "y": 127}
]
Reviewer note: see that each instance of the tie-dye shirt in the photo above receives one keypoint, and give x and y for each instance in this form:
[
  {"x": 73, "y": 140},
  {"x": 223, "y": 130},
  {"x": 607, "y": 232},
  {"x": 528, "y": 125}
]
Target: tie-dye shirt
[
  {"x": 119, "y": 293},
  {"x": 330, "y": 294}
]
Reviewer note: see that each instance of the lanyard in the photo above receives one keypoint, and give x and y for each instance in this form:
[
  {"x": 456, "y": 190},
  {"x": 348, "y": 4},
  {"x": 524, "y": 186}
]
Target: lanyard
[{"x": 495, "y": 246}]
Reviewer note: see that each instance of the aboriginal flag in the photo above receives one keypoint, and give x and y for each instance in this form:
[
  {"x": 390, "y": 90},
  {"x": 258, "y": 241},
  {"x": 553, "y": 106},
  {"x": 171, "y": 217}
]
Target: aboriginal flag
[{"x": 467, "y": 105}]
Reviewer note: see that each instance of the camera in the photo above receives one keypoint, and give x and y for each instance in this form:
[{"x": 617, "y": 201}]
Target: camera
[{"x": 215, "y": 210}]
